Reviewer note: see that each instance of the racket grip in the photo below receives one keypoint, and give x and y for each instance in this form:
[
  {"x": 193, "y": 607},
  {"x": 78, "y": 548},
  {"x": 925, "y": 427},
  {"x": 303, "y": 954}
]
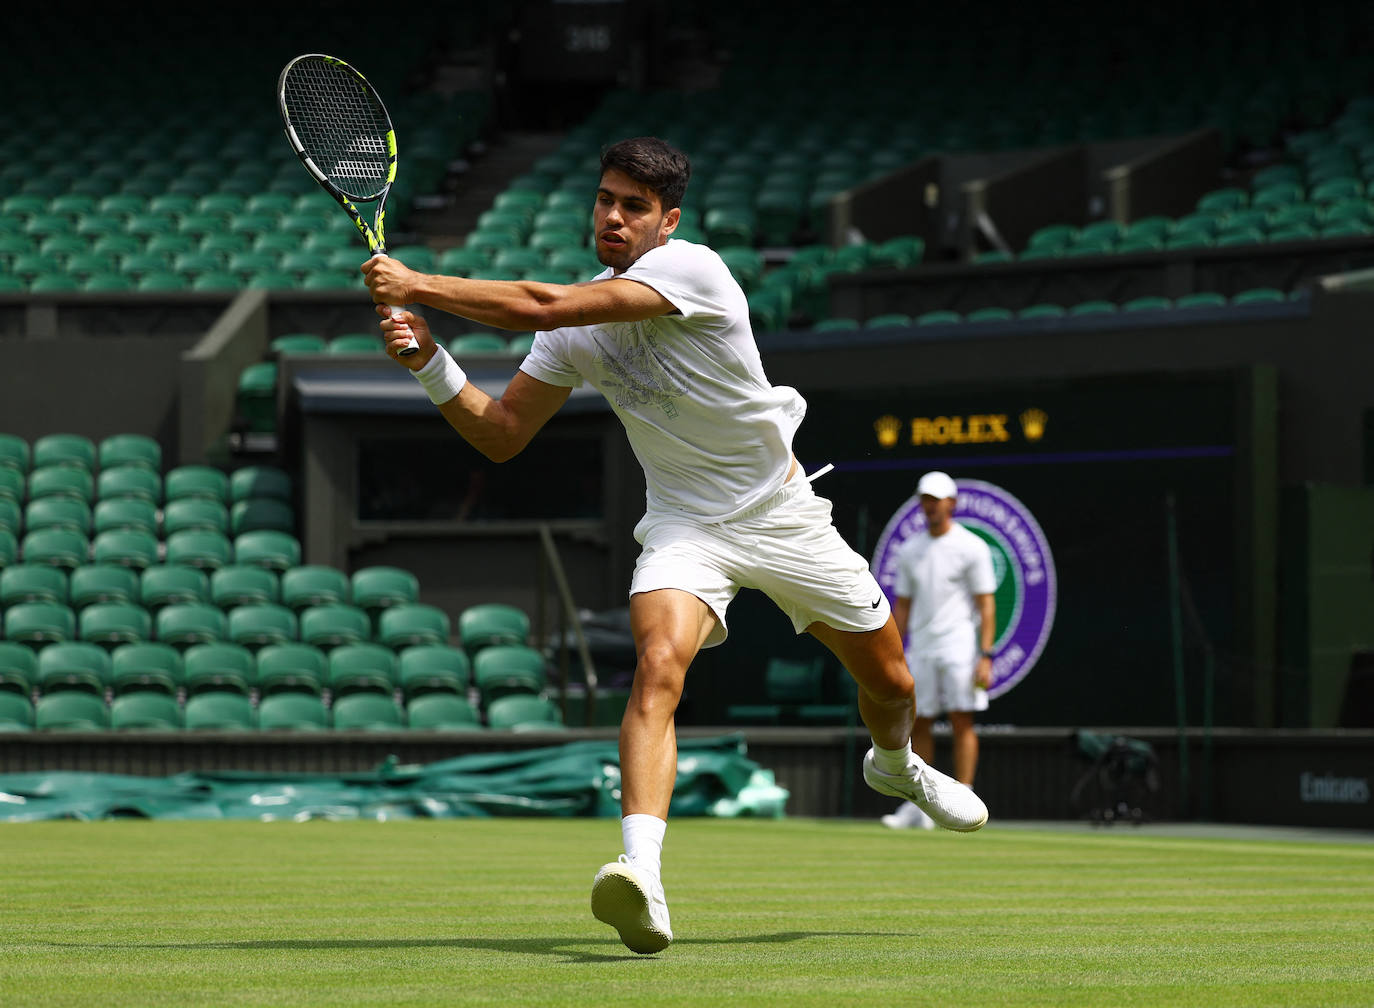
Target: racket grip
[
  {"x": 410, "y": 347},
  {"x": 396, "y": 311}
]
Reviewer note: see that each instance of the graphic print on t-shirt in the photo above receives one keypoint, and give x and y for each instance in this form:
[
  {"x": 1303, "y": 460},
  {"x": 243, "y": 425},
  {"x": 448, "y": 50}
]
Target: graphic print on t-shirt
[{"x": 638, "y": 374}]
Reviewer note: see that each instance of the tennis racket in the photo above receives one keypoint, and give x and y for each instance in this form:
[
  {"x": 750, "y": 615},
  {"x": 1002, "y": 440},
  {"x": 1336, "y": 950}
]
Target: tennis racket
[{"x": 339, "y": 128}]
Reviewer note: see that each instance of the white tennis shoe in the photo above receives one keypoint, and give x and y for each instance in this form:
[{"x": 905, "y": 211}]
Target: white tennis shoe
[
  {"x": 631, "y": 901},
  {"x": 944, "y": 799}
]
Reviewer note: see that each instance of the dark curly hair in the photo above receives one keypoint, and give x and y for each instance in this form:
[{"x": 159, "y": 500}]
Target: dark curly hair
[{"x": 651, "y": 162}]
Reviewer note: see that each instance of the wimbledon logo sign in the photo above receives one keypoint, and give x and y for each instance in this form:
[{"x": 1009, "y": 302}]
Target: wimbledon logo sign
[{"x": 1026, "y": 588}]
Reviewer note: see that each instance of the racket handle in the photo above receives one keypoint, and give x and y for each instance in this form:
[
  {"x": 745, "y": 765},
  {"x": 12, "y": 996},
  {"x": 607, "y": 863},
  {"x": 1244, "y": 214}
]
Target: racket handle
[{"x": 396, "y": 311}]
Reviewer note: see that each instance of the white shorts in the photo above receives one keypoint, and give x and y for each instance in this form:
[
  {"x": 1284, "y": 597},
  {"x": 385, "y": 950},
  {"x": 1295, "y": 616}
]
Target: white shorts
[
  {"x": 785, "y": 547},
  {"x": 944, "y": 680}
]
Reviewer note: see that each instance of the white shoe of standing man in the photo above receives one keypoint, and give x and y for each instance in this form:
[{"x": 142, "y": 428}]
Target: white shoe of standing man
[
  {"x": 951, "y": 804},
  {"x": 908, "y": 816},
  {"x": 631, "y": 900}
]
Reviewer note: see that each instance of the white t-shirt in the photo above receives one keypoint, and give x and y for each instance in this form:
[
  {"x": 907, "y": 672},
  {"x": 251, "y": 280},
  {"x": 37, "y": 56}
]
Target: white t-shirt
[
  {"x": 714, "y": 437},
  {"x": 941, "y": 575}
]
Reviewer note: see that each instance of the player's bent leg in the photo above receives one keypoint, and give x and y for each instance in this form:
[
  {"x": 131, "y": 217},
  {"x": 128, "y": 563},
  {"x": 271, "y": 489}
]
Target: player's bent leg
[
  {"x": 876, "y": 662},
  {"x": 874, "y": 658}
]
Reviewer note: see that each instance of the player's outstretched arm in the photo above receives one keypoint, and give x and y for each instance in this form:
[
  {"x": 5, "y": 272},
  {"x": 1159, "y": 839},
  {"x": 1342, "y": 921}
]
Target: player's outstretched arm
[
  {"x": 498, "y": 428},
  {"x": 520, "y": 305}
]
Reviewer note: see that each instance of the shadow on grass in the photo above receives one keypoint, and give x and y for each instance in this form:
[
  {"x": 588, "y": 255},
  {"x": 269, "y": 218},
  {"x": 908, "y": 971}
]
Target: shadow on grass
[{"x": 567, "y": 949}]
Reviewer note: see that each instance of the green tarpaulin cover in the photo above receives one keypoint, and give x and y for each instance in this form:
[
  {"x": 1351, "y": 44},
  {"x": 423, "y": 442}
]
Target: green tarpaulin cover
[{"x": 714, "y": 778}]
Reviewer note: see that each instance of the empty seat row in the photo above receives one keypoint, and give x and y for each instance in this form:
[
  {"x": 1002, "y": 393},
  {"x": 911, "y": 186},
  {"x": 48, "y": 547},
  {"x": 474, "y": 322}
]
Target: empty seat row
[
  {"x": 221, "y": 711},
  {"x": 410, "y": 671}
]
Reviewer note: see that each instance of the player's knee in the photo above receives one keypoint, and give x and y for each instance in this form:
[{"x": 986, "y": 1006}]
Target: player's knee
[
  {"x": 892, "y": 686},
  {"x": 659, "y": 674}
]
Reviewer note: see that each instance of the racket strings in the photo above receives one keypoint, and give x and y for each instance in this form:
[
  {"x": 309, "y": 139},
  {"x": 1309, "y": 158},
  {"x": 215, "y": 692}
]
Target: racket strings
[{"x": 340, "y": 125}]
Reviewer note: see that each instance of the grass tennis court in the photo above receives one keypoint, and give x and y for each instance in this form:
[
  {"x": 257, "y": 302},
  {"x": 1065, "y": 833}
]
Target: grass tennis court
[{"x": 787, "y": 912}]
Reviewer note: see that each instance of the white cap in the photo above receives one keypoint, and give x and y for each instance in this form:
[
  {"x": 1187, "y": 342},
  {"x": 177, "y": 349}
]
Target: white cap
[{"x": 936, "y": 484}]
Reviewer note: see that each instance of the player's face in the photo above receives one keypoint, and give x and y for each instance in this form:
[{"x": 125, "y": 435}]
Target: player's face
[
  {"x": 628, "y": 220},
  {"x": 938, "y": 511}
]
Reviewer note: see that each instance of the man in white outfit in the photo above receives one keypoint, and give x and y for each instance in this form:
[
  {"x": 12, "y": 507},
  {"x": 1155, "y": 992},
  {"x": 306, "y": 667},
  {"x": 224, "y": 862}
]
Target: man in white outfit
[
  {"x": 944, "y": 588},
  {"x": 663, "y": 333}
]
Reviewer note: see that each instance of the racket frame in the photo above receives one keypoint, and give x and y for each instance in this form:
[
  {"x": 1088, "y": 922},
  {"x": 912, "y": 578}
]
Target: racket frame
[{"x": 373, "y": 234}]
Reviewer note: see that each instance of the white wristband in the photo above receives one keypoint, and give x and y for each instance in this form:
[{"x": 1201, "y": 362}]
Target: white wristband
[{"x": 441, "y": 377}]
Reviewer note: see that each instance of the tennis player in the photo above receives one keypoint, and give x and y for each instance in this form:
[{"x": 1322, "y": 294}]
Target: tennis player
[{"x": 663, "y": 333}]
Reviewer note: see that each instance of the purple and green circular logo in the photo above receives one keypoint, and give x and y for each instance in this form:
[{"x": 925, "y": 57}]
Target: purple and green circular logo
[{"x": 1026, "y": 591}]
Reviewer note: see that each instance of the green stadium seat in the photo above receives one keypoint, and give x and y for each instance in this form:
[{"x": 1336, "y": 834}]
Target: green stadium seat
[
  {"x": 56, "y": 546},
  {"x": 11, "y": 515},
  {"x": 201, "y": 548},
  {"x": 146, "y": 665},
  {"x": 502, "y": 669},
  {"x": 237, "y": 585},
  {"x": 64, "y": 450},
  {"x": 523, "y": 713},
  {"x": 197, "y": 514},
  {"x": 412, "y": 623},
  {"x": 888, "y": 320},
  {"x": 15, "y": 453},
  {"x": 35, "y": 582},
  {"x": 12, "y": 485},
  {"x": 256, "y": 513},
  {"x": 113, "y": 623},
  {"x": 257, "y": 625},
  {"x": 71, "y": 711},
  {"x": 1095, "y": 306},
  {"x": 256, "y": 397},
  {"x": 57, "y": 512},
  {"x": 1200, "y": 299},
  {"x": 314, "y": 585},
  {"x": 938, "y": 317},
  {"x": 94, "y": 584},
  {"x": 476, "y": 343},
  {"x": 433, "y": 668},
  {"x": 367, "y": 712},
  {"x": 196, "y": 481},
  {"x": 292, "y": 711},
  {"x": 18, "y": 668},
  {"x": 334, "y": 624},
  {"x": 361, "y": 667},
  {"x": 125, "y": 548},
  {"x": 379, "y": 587},
  {"x": 173, "y": 584},
  {"x": 130, "y": 480},
  {"x": 145, "y": 711},
  {"x": 183, "y": 624},
  {"x": 73, "y": 665},
  {"x": 218, "y": 667},
  {"x": 219, "y": 711},
  {"x": 442, "y": 712},
  {"x": 16, "y": 712},
  {"x": 9, "y": 548},
  {"x": 1259, "y": 295},
  {"x": 291, "y": 667},
  {"x": 1223, "y": 200},
  {"x": 297, "y": 343},
  {"x": 129, "y": 449},
  {"x": 256, "y": 481},
  {"x": 1147, "y": 303},
  {"x": 277, "y": 551},
  {"x": 351, "y": 343},
  {"x": 491, "y": 623},
  {"x": 990, "y": 314}
]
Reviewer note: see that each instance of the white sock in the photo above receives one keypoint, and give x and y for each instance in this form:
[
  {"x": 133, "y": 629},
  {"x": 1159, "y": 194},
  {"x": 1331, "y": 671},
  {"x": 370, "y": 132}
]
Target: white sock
[
  {"x": 643, "y": 836},
  {"x": 892, "y": 761}
]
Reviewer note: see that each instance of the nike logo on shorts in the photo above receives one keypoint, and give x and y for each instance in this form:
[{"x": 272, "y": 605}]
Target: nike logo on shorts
[{"x": 876, "y": 602}]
